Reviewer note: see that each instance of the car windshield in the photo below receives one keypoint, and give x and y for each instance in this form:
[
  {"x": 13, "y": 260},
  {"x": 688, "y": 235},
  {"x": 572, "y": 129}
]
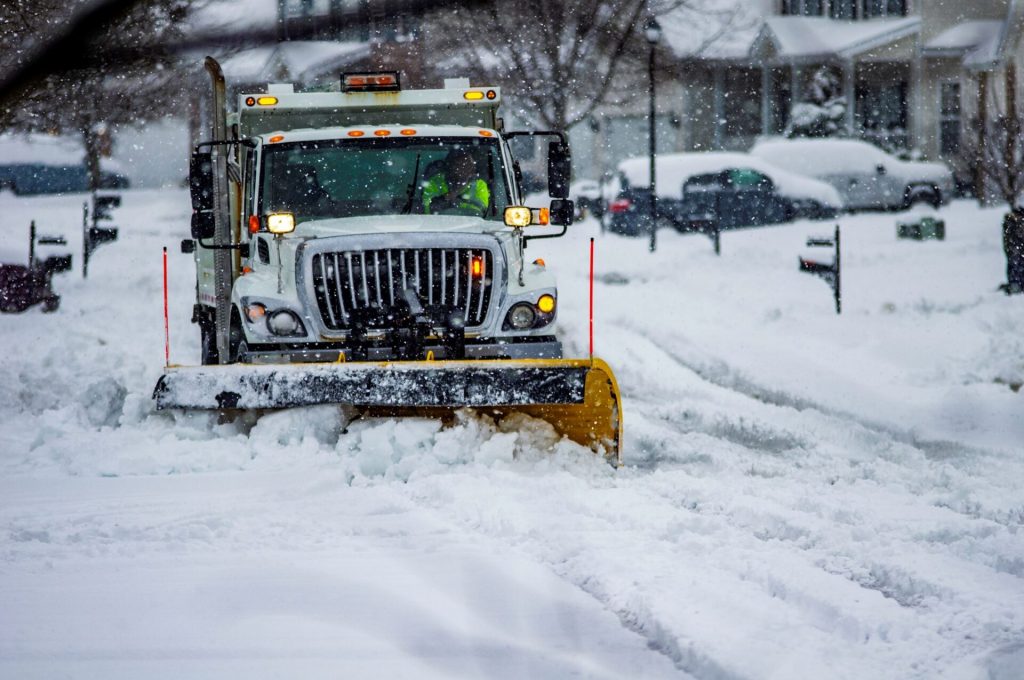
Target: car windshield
[{"x": 385, "y": 176}]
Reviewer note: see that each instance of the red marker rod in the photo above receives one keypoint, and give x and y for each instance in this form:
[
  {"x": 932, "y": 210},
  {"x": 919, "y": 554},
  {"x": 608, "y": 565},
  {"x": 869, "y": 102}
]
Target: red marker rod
[
  {"x": 591, "y": 297},
  {"x": 167, "y": 328}
]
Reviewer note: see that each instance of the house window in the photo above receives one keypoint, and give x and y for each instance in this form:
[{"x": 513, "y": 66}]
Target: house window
[
  {"x": 742, "y": 97},
  {"x": 884, "y": 8},
  {"x": 949, "y": 119},
  {"x": 805, "y": 8},
  {"x": 843, "y": 9},
  {"x": 883, "y": 113}
]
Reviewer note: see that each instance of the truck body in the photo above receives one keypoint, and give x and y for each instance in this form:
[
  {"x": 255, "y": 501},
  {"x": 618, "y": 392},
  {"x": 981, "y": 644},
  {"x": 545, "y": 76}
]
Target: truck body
[{"x": 367, "y": 253}]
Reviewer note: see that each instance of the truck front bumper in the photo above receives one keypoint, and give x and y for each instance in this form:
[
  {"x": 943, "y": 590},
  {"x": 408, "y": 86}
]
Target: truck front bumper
[{"x": 541, "y": 348}]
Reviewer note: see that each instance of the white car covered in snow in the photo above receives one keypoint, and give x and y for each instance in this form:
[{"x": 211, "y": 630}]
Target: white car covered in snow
[{"x": 865, "y": 176}]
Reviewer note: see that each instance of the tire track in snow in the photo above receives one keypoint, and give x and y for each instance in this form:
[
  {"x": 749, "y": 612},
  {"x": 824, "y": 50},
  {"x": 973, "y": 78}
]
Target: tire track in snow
[
  {"x": 928, "y": 605},
  {"x": 903, "y": 586}
]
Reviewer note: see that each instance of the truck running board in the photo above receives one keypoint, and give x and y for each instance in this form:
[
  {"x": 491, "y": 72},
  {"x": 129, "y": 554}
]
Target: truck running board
[{"x": 579, "y": 397}]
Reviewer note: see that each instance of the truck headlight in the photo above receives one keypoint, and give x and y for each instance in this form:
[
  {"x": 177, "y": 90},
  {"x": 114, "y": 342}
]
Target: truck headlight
[
  {"x": 284, "y": 322},
  {"x": 280, "y": 223},
  {"x": 522, "y": 316},
  {"x": 255, "y": 312}
]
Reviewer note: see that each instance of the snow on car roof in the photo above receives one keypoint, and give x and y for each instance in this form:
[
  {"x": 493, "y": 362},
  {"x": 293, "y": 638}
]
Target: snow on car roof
[
  {"x": 675, "y": 168},
  {"x": 822, "y": 157},
  {"x": 39, "y": 149}
]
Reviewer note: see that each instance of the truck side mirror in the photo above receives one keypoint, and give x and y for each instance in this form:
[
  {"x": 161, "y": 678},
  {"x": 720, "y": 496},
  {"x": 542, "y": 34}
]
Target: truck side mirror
[
  {"x": 559, "y": 170},
  {"x": 203, "y": 225},
  {"x": 562, "y": 212},
  {"x": 200, "y": 181}
]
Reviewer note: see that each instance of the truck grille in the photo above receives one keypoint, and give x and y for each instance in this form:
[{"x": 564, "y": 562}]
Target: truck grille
[{"x": 442, "y": 278}]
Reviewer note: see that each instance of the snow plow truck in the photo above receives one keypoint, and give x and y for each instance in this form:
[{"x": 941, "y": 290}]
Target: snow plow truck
[{"x": 365, "y": 248}]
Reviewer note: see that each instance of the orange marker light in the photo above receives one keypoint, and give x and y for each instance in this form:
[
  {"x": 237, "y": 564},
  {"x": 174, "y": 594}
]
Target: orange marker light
[
  {"x": 254, "y": 224},
  {"x": 477, "y": 267},
  {"x": 408, "y": 132},
  {"x": 491, "y": 94},
  {"x": 540, "y": 262},
  {"x": 543, "y": 215},
  {"x": 382, "y": 133},
  {"x": 276, "y": 138},
  {"x": 356, "y": 133},
  {"x": 250, "y": 101},
  {"x": 486, "y": 133}
]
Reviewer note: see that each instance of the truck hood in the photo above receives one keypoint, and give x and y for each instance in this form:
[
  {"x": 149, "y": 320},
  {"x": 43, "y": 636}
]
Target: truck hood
[{"x": 390, "y": 224}]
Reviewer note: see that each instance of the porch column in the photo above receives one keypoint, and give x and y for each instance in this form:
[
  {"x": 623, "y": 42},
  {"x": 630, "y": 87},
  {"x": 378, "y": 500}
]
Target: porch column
[
  {"x": 766, "y": 102},
  {"x": 718, "y": 108},
  {"x": 916, "y": 134},
  {"x": 979, "y": 171},
  {"x": 849, "y": 73},
  {"x": 794, "y": 84}
]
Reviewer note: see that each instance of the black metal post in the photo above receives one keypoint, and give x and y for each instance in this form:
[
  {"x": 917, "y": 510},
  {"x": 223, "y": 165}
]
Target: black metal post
[
  {"x": 653, "y": 151},
  {"x": 85, "y": 240},
  {"x": 838, "y": 289},
  {"x": 32, "y": 244}
]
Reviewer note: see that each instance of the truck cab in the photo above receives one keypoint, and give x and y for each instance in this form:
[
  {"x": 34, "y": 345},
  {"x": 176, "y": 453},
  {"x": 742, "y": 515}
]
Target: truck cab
[{"x": 372, "y": 224}]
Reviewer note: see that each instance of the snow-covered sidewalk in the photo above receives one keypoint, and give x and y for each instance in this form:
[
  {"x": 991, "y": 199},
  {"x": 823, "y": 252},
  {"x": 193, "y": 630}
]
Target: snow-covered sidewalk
[{"x": 805, "y": 495}]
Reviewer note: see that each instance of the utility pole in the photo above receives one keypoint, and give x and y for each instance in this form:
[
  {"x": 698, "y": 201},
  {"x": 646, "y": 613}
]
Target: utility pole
[{"x": 652, "y": 31}]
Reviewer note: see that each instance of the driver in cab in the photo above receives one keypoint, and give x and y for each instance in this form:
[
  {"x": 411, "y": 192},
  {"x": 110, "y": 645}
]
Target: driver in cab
[{"x": 457, "y": 190}]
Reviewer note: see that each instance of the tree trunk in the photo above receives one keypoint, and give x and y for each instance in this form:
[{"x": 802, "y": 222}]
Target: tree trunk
[
  {"x": 91, "y": 141},
  {"x": 979, "y": 161},
  {"x": 1013, "y": 247}
]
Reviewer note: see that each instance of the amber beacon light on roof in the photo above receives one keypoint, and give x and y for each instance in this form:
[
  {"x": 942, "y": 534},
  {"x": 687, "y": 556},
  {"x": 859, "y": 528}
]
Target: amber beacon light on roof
[{"x": 380, "y": 81}]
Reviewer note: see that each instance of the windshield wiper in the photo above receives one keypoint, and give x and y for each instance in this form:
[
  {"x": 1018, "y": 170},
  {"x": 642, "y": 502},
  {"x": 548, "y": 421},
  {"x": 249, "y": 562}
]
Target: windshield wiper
[{"x": 412, "y": 187}]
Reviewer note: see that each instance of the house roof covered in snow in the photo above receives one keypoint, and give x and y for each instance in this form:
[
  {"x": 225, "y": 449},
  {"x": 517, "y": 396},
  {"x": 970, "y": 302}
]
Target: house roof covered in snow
[
  {"x": 817, "y": 37},
  {"x": 740, "y": 30},
  {"x": 965, "y": 36},
  {"x": 1000, "y": 45}
]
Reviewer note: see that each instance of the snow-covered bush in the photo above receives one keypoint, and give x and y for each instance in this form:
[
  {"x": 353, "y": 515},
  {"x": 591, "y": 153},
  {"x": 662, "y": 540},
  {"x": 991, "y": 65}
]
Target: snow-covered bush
[{"x": 823, "y": 109}]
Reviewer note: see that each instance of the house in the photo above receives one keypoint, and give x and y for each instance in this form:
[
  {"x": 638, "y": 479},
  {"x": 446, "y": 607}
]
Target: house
[{"x": 918, "y": 73}]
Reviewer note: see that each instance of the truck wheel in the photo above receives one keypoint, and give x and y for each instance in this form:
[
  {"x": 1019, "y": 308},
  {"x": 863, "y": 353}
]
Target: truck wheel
[
  {"x": 208, "y": 345},
  {"x": 236, "y": 339}
]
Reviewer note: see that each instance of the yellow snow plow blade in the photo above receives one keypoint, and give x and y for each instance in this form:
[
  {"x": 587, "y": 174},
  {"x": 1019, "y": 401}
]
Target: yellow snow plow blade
[{"x": 579, "y": 397}]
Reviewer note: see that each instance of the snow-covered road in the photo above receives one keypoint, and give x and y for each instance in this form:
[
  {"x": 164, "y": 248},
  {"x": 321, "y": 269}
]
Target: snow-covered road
[{"x": 805, "y": 495}]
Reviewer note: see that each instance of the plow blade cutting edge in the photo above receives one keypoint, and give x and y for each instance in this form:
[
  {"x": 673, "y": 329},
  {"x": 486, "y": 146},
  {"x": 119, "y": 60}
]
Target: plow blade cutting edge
[{"x": 579, "y": 397}]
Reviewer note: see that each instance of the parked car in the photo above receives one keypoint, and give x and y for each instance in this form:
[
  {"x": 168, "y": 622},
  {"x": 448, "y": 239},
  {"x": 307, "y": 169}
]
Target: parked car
[
  {"x": 866, "y": 177},
  {"x": 586, "y": 194},
  {"x": 733, "y": 189},
  {"x": 39, "y": 164}
]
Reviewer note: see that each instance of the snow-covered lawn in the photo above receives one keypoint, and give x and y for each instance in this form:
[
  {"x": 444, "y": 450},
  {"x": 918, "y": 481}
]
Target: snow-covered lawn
[{"x": 805, "y": 495}]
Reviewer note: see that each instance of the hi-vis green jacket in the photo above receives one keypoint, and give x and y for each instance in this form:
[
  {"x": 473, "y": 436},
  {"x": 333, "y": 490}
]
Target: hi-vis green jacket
[{"x": 474, "y": 198}]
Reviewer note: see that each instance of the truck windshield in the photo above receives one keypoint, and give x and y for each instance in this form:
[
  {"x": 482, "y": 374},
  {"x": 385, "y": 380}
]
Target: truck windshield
[{"x": 385, "y": 176}]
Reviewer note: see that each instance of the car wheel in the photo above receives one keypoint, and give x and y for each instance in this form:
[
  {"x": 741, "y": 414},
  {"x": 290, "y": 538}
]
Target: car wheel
[{"x": 927, "y": 195}]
